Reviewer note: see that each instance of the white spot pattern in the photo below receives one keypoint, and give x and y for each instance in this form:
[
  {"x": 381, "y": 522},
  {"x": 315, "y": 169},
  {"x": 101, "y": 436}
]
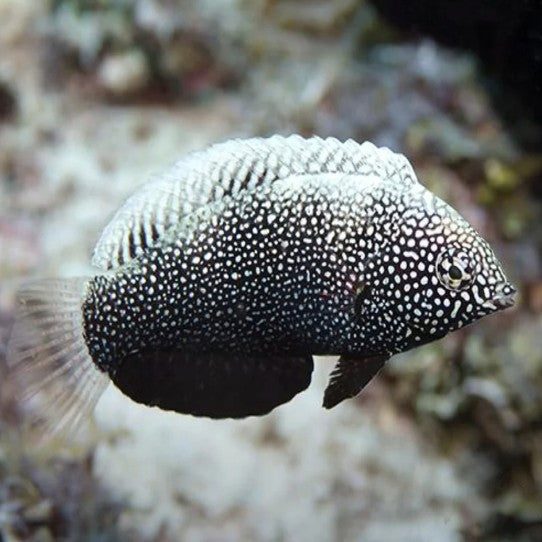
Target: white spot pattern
[{"x": 332, "y": 272}]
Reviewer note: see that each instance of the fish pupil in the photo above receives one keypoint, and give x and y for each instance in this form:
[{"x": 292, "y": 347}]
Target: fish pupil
[{"x": 455, "y": 273}]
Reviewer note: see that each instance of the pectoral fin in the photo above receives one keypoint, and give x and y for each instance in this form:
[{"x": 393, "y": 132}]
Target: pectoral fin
[
  {"x": 350, "y": 376},
  {"x": 213, "y": 384}
]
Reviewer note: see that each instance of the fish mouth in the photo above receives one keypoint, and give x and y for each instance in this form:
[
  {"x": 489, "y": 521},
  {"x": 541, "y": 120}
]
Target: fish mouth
[{"x": 504, "y": 298}]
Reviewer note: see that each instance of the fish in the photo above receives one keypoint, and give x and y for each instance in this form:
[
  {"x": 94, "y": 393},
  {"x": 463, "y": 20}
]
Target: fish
[{"x": 218, "y": 282}]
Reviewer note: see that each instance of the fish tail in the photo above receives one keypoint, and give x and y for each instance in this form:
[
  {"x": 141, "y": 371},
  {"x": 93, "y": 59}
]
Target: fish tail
[{"x": 48, "y": 359}]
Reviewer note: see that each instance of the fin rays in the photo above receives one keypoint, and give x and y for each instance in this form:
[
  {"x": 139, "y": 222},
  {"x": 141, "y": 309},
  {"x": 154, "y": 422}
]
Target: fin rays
[{"x": 48, "y": 358}]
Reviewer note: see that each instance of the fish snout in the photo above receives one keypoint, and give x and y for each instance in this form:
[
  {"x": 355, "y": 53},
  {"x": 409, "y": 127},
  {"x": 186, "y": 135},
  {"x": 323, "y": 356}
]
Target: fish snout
[{"x": 505, "y": 297}]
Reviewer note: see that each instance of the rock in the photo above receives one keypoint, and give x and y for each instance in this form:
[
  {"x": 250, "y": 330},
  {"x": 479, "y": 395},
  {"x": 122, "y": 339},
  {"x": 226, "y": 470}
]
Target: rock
[
  {"x": 505, "y": 35},
  {"x": 8, "y": 102},
  {"x": 124, "y": 74},
  {"x": 40, "y": 512}
]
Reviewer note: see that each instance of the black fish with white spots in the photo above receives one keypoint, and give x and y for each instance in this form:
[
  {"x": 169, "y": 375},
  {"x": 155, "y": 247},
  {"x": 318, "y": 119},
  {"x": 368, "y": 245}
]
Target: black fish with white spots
[{"x": 224, "y": 277}]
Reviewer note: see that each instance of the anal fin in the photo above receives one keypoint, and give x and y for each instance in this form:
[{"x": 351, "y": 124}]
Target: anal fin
[
  {"x": 213, "y": 384},
  {"x": 350, "y": 376}
]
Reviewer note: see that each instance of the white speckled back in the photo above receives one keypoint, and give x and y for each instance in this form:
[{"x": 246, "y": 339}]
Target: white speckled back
[{"x": 229, "y": 169}]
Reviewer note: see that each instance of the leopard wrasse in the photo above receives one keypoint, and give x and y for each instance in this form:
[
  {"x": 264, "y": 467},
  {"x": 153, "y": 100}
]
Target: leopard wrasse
[{"x": 218, "y": 282}]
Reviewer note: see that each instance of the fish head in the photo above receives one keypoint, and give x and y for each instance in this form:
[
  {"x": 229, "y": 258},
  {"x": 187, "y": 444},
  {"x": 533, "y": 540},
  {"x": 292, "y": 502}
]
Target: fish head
[
  {"x": 450, "y": 277},
  {"x": 472, "y": 280}
]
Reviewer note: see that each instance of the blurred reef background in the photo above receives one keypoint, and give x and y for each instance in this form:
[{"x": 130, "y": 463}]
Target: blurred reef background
[{"x": 446, "y": 445}]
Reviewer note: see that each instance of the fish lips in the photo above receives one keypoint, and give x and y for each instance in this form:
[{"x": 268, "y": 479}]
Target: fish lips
[{"x": 504, "y": 298}]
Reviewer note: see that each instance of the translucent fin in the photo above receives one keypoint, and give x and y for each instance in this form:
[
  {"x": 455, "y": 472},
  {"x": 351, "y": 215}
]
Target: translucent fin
[
  {"x": 228, "y": 170},
  {"x": 48, "y": 359}
]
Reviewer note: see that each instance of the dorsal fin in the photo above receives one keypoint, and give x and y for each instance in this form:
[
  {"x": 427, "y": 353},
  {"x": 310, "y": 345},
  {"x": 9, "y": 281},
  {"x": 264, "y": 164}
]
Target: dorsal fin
[{"x": 230, "y": 169}]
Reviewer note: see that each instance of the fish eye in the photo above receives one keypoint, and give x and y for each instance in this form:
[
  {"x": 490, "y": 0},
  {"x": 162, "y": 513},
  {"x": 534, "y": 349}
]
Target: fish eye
[{"x": 454, "y": 269}]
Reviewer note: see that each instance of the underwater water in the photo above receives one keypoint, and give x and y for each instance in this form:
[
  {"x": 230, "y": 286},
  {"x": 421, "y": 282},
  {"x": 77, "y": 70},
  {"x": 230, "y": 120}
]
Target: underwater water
[{"x": 444, "y": 445}]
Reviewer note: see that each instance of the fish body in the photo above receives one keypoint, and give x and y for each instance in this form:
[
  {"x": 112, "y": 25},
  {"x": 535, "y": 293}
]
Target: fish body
[
  {"x": 275, "y": 270},
  {"x": 225, "y": 276}
]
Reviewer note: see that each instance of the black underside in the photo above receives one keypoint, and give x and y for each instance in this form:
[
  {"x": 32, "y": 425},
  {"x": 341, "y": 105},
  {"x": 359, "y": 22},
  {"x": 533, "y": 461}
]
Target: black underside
[{"x": 213, "y": 384}]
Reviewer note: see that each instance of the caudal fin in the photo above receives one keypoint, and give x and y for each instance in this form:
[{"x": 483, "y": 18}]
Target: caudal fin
[{"x": 48, "y": 356}]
